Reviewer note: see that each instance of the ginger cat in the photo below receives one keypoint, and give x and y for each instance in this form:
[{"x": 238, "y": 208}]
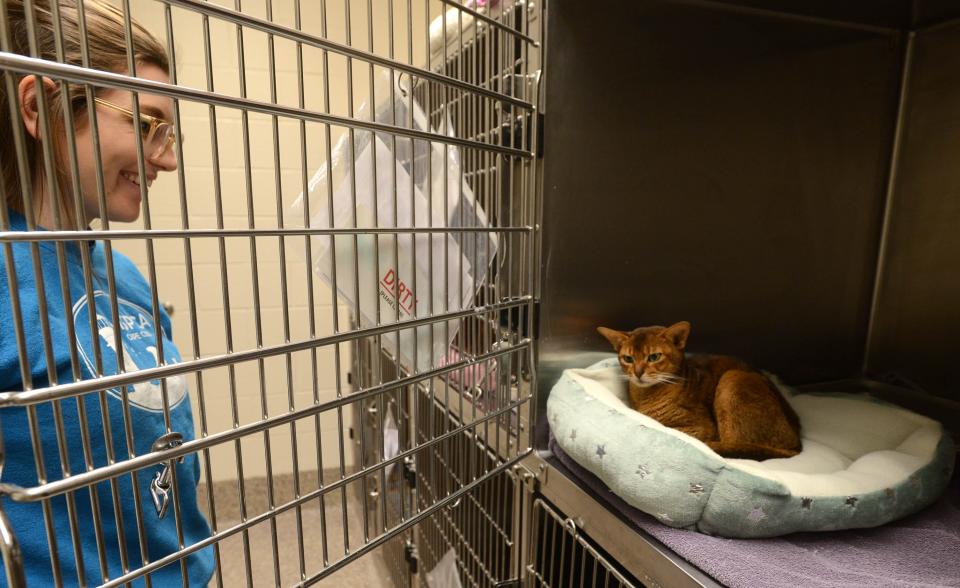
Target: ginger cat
[{"x": 718, "y": 399}]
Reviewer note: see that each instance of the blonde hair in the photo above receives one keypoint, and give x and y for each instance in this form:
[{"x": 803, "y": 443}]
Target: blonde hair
[{"x": 107, "y": 51}]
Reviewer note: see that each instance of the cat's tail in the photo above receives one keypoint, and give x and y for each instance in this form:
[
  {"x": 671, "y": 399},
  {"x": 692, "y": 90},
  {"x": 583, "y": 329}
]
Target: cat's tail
[{"x": 743, "y": 450}]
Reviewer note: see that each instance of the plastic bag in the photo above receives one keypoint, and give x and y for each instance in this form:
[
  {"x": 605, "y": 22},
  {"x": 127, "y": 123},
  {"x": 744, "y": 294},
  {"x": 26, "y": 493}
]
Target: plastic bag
[
  {"x": 415, "y": 184},
  {"x": 445, "y": 574}
]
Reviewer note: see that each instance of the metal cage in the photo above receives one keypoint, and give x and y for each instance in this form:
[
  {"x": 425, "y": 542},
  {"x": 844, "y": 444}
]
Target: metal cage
[
  {"x": 562, "y": 556},
  {"x": 304, "y": 393},
  {"x": 311, "y": 351}
]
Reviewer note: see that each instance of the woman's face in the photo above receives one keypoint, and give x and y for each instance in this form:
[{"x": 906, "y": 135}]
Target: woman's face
[{"x": 118, "y": 151}]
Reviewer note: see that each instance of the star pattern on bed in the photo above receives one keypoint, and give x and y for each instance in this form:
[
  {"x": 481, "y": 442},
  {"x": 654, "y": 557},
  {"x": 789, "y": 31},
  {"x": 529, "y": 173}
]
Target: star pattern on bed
[
  {"x": 756, "y": 514},
  {"x": 646, "y": 465}
]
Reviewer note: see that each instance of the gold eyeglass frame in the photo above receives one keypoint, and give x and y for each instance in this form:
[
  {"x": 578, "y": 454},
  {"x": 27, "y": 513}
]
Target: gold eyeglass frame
[{"x": 155, "y": 123}]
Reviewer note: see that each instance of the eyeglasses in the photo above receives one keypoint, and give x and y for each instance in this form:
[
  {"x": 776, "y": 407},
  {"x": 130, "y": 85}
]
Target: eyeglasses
[{"x": 157, "y": 134}]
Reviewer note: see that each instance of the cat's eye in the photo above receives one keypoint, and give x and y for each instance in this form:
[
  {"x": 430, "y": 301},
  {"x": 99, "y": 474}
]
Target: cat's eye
[
  {"x": 654, "y": 357},
  {"x": 627, "y": 358}
]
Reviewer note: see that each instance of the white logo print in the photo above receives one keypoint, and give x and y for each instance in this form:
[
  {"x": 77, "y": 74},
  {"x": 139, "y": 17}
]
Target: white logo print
[{"x": 138, "y": 342}]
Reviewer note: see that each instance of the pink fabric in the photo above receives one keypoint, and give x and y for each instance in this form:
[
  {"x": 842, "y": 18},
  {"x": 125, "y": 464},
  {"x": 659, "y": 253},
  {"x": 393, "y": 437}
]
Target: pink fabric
[{"x": 483, "y": 375}]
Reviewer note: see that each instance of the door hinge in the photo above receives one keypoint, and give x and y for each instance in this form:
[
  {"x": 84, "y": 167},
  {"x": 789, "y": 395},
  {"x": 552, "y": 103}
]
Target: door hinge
[
  {"x": 412, "y": 556},
  {"x": 530, "y": 479},
  {"x": 536, "y": 320},
  {"x": 540, "y": 127},
  {"x": 410, "y": 472}
]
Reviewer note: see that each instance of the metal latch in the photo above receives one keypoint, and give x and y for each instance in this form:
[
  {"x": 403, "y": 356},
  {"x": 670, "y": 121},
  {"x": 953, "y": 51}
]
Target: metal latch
[
  {"x": 160, "y": 485},
  {"x": 412, "y": 556},
  {"x": 410, "y": 471},
  {"x": 530, "y": 479}
]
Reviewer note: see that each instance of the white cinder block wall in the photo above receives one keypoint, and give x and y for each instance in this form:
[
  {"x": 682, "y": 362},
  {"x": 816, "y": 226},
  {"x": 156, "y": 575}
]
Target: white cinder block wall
[{"x": 272, "y": 388}]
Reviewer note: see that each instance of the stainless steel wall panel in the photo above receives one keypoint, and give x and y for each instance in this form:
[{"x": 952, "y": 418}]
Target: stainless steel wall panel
[
  {"x": 928, "y": 13},
  {"x": 917, "y": 314},
  {"x": 875, "y": 13},
  {"x": 723, "y": 168}
]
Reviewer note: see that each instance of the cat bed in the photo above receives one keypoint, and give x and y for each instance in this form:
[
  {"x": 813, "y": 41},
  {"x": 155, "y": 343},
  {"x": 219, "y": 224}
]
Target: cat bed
[{"x": 864, "y": 462}]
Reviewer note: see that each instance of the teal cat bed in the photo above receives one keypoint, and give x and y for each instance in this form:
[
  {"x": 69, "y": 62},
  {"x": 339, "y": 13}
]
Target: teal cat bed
[{"x": 864, "y": 463}]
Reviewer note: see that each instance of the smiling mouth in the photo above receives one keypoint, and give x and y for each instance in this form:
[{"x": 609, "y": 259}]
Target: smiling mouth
[{"x": 133, "y": 178}]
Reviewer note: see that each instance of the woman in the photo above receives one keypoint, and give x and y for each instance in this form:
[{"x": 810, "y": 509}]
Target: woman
[{"x": 74, "y": 331}]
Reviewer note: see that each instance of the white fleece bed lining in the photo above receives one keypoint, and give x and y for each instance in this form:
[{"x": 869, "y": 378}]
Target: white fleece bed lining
[{"x": 849, "y": 447}]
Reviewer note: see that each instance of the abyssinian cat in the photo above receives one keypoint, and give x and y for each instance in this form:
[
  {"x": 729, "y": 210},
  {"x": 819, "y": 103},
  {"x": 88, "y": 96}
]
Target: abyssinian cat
[{"x": 718, "y": 399}]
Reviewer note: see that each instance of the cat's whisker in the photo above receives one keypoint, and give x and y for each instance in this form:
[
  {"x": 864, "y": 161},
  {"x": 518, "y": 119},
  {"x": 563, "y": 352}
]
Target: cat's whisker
[
  {"x": 664, "y": 378},
  {"x": 652, "y": 379}
]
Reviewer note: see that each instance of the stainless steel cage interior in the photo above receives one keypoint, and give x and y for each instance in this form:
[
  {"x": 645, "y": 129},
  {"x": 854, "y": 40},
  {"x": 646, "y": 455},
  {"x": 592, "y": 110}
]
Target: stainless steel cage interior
[
  {"x": 347, "y": 254},
  {"x": 780, "y": 174},
  {"x": 342, "y": 251}
]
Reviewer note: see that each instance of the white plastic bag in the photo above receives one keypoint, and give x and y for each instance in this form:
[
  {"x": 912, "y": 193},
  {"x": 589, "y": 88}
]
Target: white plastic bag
[
  {"x": 391, "y": 441},
  {"x": 445, "y": 574},
  {"x": 386, "y": 278}
]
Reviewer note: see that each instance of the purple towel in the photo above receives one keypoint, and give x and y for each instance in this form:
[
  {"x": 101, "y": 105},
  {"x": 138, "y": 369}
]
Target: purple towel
[{"x": 920, "y": 550}]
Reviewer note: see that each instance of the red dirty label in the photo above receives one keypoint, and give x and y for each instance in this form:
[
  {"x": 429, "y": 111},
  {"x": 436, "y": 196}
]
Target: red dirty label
[{"x": 397, "y": 290}]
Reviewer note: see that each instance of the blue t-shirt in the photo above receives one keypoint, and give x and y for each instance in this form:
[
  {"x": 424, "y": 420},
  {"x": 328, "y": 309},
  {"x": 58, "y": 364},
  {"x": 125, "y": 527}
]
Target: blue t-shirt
[{"x": 141, "y": 346}]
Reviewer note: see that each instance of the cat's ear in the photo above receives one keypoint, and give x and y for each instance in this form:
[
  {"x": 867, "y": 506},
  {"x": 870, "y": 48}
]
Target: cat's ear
[
  {"x": 678, "y": 333},
  {"x": 616, "y": 338}
]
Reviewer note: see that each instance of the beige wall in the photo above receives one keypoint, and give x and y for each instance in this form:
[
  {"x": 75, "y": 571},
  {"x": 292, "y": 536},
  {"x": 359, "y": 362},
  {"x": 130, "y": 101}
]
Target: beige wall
[{"x": 274, "y": 388}]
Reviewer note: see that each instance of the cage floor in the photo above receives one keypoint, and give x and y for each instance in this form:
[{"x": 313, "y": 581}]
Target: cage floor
[
  {"x": 369, "y": 571},
  {"x": 913, "y": 551}
]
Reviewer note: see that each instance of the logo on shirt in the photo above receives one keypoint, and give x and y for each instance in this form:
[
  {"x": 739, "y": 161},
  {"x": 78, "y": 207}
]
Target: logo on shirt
[{"x": 138, "y": 343}]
